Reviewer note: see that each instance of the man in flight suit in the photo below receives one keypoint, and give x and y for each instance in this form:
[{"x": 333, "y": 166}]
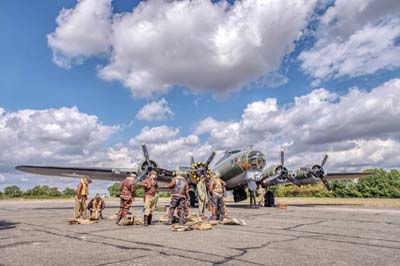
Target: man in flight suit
[
  {"x": 180, "y": 193},
  {"x": 82, "y": 193},
  {"x": 202, "y": 195},
  {"x": 150, "y": 190},
  {"x": 96, "y": 207},
  {"x": 217, "y": 191},
  {"x": 127, "y": 196}
]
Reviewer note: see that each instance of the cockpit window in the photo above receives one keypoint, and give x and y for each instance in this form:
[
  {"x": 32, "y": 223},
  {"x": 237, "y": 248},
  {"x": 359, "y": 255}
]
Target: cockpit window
[{"x": 256, "y": 160}]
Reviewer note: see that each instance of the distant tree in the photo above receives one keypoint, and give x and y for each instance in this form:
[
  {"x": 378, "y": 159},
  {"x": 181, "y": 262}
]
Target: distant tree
[
  {"x": 12, "y": 191},
  {"x": 139, "y": 191},
  {"x": 69, "y": 192},
  {"x": 164, "y": 194},
  {"x": 114, "y": 190},
  {"x": 53, "y": 192},
  {"x": 1, "y": 193}
]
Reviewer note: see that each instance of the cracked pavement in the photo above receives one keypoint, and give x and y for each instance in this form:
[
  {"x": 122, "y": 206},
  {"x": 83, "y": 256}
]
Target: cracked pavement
[{"x": 36, "y": 233}]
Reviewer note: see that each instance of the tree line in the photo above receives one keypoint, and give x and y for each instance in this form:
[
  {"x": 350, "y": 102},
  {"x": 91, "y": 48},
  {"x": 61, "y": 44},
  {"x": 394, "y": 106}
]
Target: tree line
[{"x": 381, "y": 184}]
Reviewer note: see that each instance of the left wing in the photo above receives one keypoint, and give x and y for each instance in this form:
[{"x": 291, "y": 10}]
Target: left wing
[{"x": 111, "y": 174}]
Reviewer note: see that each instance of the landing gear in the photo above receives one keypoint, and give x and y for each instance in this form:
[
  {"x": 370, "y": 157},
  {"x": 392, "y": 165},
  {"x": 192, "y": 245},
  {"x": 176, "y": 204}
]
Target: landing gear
[
  {"x": 269, "y": 199},
  {"x": 192, "y": 198}
]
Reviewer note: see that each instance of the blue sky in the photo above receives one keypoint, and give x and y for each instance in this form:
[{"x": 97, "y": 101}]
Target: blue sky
[{"x": 31, "y": 78}]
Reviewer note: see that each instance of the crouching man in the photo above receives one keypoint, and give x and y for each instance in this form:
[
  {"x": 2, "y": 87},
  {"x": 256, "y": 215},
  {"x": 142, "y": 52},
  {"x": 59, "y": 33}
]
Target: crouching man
[
  {"x": 127, "y": 196},
  {"x": 150, "y": 190},
  {"x": 96, "y": 207},
  {"x": 180, "y": 194}
]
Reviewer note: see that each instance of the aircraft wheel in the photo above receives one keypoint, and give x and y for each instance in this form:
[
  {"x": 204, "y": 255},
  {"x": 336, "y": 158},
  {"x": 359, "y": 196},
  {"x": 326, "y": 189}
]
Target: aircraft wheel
[
  {"x": 192, "y": 196},
  {"x": 269, "y": 199}
]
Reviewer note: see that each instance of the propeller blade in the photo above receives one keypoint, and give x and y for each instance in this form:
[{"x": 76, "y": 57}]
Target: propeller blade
[
  {"x": 146, "y": 153},
  {"x": 212, "y": 155},
  {"x": 326, "y": 183},
  {"x": 324, "y": 160},
  {"x": 270, "y": 179},
  {"x": 282, "y": 158},
  {"x": 291, "y": 177},
  {"x": 191, "y": 160},
  {"x": 141, "y": 176}
]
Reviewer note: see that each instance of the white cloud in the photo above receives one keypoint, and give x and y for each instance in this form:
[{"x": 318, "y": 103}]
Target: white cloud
[
  {"x": 354, "y": 38},
  {"x": 2, "y": 179},
  {"x": 197, "y": 44},
  {"x": 82, "y": 32},
  {"x": 360, "y": 123},
  {"x": 62, "y": 135},
  {"x": 155, "y": 111}
]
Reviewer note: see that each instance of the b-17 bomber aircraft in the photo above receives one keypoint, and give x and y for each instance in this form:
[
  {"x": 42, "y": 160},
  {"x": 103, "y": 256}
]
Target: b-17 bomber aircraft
[{"x": 239, "y": 168}]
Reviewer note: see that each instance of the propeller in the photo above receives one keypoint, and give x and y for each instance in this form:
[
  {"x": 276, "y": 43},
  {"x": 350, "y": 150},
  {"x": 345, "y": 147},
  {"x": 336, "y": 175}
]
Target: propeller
[
  {"x": 319, "y": 172},
  {"x": 201, "y": 168},
  {"x": 149, "y": 166},
  {"x": 283, "y": 173}
]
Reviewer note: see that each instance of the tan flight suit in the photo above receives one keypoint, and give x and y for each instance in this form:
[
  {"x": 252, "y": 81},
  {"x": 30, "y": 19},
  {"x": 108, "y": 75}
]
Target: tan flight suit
[
  {"x": 82, "y": 193},
  {"x": 96, "y": 207},
  {"x": 217, "y": 191},
  {"x": 260, "y": 198},
  {"x": 202, "y": 197}
]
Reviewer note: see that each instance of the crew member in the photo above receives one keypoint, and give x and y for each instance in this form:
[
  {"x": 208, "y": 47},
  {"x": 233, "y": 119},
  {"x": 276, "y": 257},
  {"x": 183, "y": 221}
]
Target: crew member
[
  {"x": 96, "y": 207},
  {"x": 260, "y": 192},
  {"x": 252, "y": 198},
  {"x": 81, "y": 196},
  {"x": 202, "y": 195},
  {"x": 217, "y": 191},
  {"x": 127, "y": 196},
  {"x": 150, "y": 190},
  {"x": 180, "y": 194}
]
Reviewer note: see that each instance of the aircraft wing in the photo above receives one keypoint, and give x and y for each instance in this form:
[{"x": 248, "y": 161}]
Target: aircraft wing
[
  {"x": 111, "y": 174},
  {"x": 346, "y": 176}
]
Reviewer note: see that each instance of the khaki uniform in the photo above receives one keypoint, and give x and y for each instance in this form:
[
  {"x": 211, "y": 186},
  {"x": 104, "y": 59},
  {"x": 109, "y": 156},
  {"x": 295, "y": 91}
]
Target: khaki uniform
[
  {"x": 96, "y": 207},
  {"x": 217, "y": 191},
  {"x": 150, "y": 190},
  {"x": 81, "y": 197},
  {"x": 202, "y": 197}
]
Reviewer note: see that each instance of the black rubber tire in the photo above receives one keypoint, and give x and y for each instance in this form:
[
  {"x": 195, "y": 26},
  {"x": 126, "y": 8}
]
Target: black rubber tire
[
  {"x": 192, "y": 199},
  {"x": 269, "y": 199}
]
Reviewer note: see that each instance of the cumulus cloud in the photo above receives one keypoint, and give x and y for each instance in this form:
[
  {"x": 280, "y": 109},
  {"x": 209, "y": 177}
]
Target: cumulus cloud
[
  {"x": 50, "y": 136},
  {"x": 155, "y": 47},
  {"x": 354, "y": 38},
  {"x": 348, "y": 126},
  {"x": 82, "y": 32},
  {"x": 2, "y": 179},
  {"x": 155, "y": 111}
]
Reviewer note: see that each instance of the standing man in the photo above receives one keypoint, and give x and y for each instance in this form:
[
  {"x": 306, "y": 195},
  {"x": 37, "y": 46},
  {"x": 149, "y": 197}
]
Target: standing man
[
  {"x": 82, "y": 193},
  {"x": 202, "y": 195},
  {"x": 252, "y": 199},
  {"x": 180, "y": 193},
  {"x": 127, "y": 196},
  {"x": 96, "y": 207},
  {"x": 260, "y": 192},
  {"x": 217, "y": 191},
  {"x": 150, "y": 190}
]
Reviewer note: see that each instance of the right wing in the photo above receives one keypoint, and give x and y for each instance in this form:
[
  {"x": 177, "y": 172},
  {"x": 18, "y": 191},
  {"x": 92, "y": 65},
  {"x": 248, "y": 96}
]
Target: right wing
[{"x": 111, "y": 174}]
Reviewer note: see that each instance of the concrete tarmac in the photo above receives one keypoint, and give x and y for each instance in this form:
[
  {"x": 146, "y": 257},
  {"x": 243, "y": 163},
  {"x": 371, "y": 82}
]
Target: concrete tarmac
[{"x": 36, "y": 233}]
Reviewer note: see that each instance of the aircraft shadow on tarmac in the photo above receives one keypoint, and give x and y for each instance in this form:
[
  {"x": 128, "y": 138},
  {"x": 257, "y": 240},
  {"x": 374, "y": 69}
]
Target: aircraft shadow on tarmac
[{"x": 7, "y": 225}]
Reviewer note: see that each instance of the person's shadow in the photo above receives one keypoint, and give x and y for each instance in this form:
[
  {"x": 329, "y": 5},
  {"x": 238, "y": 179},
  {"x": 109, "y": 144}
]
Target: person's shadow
[{"x": 7, "y": 225}]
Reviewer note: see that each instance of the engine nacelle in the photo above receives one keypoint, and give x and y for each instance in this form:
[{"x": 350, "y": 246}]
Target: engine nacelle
[
  {"x": 307, "y": 172},
  {"x": 143, "y": 164},
  {"x": 275, "y": 170}
]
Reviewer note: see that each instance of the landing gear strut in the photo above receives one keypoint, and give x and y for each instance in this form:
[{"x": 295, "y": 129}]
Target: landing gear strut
[{"x": 269, "y": 199}]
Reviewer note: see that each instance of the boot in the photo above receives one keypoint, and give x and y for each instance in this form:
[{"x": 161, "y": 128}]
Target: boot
[
  {"x": 118, "y": 220},
  {"x": 149, "y": 219},
  {"x": 170, "y": 217},
  {"x": 145, "y": 220}
]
